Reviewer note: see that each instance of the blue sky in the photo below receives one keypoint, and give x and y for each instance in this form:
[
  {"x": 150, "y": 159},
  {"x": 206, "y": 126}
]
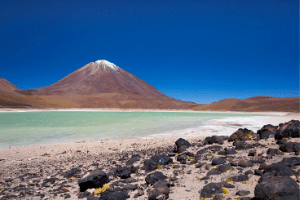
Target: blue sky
[{"x": 200, "y": 51}]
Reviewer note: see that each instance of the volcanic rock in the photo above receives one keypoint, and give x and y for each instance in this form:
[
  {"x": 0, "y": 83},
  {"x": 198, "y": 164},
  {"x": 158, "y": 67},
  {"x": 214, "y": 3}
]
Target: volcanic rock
[
  {"x": 114, "y": 195},
  {"x": 218, "y": 161},
  {"x": 289, "y": 129},
  {"x": 213, "y": 189},
  {"x": 154, "y": 177},
  {"x": 219, "y": 170},
  {"x": 156, "y": 160},
  {"x": 92, "y": 180},
  {"x": 133, "y": 159},
  {"x": 277, "y": 188},
  {"x": 215, "y": 139},
  {"x": 290, "y": 147},
  {"x": 71, "y": 173},
  {"x": 240, "y": 135},
  {"x": 243, "y": 192},
  {"x": 182, "y": 145},
  {"x": 279, "y": 169},
  {"x": 123, "y": 172},
  {"x": 160, "y": 191}
]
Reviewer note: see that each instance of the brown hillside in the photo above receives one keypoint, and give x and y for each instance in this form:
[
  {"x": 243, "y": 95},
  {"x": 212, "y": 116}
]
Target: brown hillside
[{"x": 259, "y": 103}]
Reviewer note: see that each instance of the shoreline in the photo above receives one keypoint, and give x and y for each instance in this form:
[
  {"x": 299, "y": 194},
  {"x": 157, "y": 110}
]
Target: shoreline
[{"x": 3, "y": 110}]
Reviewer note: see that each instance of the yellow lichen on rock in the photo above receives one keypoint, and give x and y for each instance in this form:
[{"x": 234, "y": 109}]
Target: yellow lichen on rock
[
  {"x": 228, "y": 180},
  {"x": 225, "y": 190},
  {"x": 159, "y": 167},
  {"x": 100, "y": 190}
]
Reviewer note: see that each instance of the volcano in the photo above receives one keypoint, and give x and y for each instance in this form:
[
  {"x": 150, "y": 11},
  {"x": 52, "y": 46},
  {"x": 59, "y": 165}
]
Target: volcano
[
  {"x": 101, "y": 77},
  {"x": 101, "y": 84}
]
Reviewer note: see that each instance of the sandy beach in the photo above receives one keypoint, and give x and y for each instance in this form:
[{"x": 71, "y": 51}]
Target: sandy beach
[{"x": 26, "y": 171}]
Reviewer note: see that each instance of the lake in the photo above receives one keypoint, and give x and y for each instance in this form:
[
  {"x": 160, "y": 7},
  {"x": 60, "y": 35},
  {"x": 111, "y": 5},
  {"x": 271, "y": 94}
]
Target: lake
[{"x": 50, "y": 127}]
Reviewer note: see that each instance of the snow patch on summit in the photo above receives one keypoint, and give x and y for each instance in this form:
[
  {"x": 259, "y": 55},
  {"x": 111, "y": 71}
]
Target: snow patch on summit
[{"x": 106, "y": 63}]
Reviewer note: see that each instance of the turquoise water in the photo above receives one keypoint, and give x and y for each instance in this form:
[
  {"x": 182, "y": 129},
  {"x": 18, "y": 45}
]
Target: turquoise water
[{"x": 26, "y": 128}]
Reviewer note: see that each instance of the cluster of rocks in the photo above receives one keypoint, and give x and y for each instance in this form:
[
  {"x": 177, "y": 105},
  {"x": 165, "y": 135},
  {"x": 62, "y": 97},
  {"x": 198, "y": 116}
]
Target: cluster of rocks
[{"x": 246, "y": 165}]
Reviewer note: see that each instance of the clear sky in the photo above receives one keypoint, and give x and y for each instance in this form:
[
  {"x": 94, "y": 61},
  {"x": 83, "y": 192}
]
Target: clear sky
[{"x": 200, "y": 51}]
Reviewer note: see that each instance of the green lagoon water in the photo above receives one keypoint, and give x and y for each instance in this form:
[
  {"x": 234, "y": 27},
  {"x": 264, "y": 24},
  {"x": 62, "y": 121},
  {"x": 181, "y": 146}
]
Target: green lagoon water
[{"x": 49, "y": 127}]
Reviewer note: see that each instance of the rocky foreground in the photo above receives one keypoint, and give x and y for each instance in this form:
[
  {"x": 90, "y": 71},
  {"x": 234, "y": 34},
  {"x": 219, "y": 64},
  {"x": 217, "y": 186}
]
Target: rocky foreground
[{"x": 246, "y": 165}]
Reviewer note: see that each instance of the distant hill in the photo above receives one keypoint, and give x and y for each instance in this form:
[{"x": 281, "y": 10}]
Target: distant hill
[
  {"x": 258, "y": 103},
  {"x": 9, "y": 95}
]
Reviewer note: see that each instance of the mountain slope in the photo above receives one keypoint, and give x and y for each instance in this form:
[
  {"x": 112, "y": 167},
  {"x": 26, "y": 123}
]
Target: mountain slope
[
  {"x": 101, "y": 77},
  {"x": 9, "y": 95}
]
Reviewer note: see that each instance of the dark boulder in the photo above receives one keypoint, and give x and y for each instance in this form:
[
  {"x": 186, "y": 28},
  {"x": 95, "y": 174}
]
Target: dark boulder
[
  {"x": 272, "y": 151},
  {"x": 244, "y": 163},
  {"x": 92, "y": 180},
  {"x": 215, "y": 139},
  {"x": 240, "y": 145},
  {"x": 289, "y": 129},
  {"x": 258, "y": 172},
  {"x": 202, "y": 151},
  {"x": 219, "y": 170},
  {"x": 291, "y": 162},
  {"x": 215, "y": 148},
  {"x": 113, "y": 195},
  {"x": 181, "y": 158},
  {"x": 129, "y": 187},
  {"x": 266, "y": 135},
  {"x": 156, "y": 160},
  {"x": 246, "y": 198},
  {"x": 240, "y": 135},
  {"x": 243, "y": 193},
  {"x": 252, "y": 153},
  {"x": 278, "y": 169},
  {"x": 258, "y": 161},
  {"x": 227, "y": 151},
  {"x": 240, "y": 178},
  {"x": 213, "y": 189},
  {"x": 218, "y": 161},
  {"x": 280, "y": 142},
  {"x": 198, "y": 165},
  {"x": 160, "y": 189},
  {"x": 269, "y": 128},
  {"x": 123, "y": 172},
  {"x": 154, "y": 177},
  {"x": 71, "y": 173},
  {"x": 133, "y": 159},
  {"x": 290, "y": 147},
  {"x": 267, "y": 131},
  {"x": 277, "y": 188},
  {"x": 182, "y": 145}
]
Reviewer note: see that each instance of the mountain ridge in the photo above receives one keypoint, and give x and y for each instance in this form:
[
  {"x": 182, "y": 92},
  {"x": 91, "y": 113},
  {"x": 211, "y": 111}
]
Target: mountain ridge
[
  {"x": 253, "y": 104},
  {"x": 102, "y": 84}
]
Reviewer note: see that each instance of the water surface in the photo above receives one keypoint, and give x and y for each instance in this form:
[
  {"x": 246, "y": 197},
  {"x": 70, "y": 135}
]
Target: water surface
[{"x": 49, "y": 127}]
